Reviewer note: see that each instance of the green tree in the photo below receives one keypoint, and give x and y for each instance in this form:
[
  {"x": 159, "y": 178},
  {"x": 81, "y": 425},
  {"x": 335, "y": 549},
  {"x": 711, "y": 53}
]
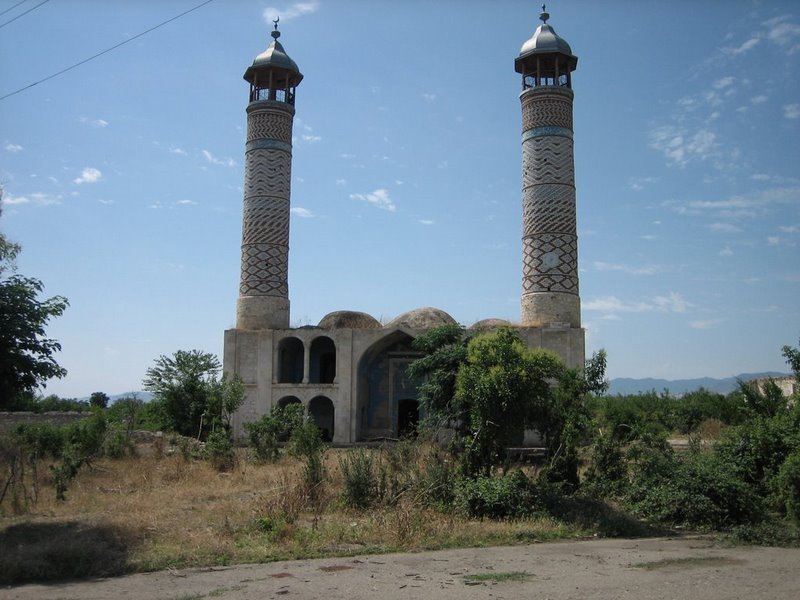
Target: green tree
[
  {"x": 189, "y": 396},
  {"x": 99, "y": 399},
  {"x": 26, "y": 354}
]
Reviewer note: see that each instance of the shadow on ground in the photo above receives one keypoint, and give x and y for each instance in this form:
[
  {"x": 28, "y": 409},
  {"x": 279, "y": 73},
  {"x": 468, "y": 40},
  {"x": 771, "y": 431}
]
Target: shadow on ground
[
  {"x": 607, "y": 521},
  {"x": 56, "y": 551}
]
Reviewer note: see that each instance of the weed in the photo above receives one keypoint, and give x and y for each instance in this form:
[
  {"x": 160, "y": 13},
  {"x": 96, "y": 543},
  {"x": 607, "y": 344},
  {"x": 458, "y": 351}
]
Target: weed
[{"x": 499, "y": 577}]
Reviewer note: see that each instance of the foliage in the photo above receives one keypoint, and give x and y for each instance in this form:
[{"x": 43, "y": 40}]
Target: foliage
[
  {"x": 358, "y": 475},
  {"x": 445, "y": 350},
  {"x": 792, "y": 356},
  {"x": 438, "y": 480},
  {"x": 99, "y": 399},
  {"x": 266, "y": 433},
  {"x": 787, "y": 486},
  {"x": 188, "y": 397},
  {"x": 219, "y": 450},
  {"x": 306, "y": 444},
  {"x": 607, "y": 474},
  {"x": 511, "y": 496},
  {"x": 26, "y": 354}
]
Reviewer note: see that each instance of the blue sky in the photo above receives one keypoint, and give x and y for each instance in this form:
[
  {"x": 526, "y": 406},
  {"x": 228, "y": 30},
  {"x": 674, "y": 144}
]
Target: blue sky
[{"x": 123, "y": 177}]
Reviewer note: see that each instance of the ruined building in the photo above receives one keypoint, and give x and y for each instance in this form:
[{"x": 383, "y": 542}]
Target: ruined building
[{"x": 350, "y": 370}]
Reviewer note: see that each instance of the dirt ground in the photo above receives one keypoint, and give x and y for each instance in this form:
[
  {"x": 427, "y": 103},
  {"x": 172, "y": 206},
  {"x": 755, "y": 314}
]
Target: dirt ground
[{"x": 645, "y": 569}]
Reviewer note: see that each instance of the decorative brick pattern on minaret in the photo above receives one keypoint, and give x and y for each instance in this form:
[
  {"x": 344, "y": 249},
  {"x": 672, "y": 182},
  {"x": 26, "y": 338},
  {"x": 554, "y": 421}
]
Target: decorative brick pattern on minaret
[
  {"x": 549, "y": 233},
  {"x": 263, "y": 289}
]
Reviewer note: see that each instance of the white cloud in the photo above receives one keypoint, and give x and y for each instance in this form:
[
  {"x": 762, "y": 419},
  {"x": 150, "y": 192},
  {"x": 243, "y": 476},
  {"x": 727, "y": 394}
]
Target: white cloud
[
  {"x": 792, "y": 111},
  {"x": 704, "y": 324},
  {"x": 679, "y": 147},
  {"x": 186, "y": 203},
  {"x": 35, "y": 198},
  {"x": 175, "y": 150},
  {"x": 751, "y": 205},
  {"x": 789, "y": 228},
  {"x": 311, "y": 138},
  {"x": 724, "y": 228},
  {"x": 672, "y": 303},
  {"x": 722, "y": 83},
  {"x": 603, "y": 266},
  {"x": 9, "y": 147},
  {"x": 89, "y": 175},
  {"x": 427, "y": 221},
  {"x": 726, "y": 251},
  {"x": 101, "y": 123},
  {"x": 637, "y": 184},
  {"x": 341, "y": 182},
  {"x": 783, "y": 33},
  {"x": 774, "y": 240},
  {"x": 760, "y": 99},
  {"x": 345, "y": 155},
  {"x": 744, "y": 47},
  {"x": 379, "y": 198},
  {"x": 225, "y": 162},
  {"x": 299, "y": 211},
  {"x": 429, "y": 97},
  {"x": 292, "y": 11}
]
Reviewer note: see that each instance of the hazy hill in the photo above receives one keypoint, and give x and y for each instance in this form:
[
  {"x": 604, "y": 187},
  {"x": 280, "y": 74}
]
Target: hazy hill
[{"x": 625, "y": 385}]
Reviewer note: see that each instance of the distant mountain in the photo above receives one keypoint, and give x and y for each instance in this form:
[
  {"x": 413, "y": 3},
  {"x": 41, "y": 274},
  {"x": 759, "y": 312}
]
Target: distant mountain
[{"x": 677, "y": 387}]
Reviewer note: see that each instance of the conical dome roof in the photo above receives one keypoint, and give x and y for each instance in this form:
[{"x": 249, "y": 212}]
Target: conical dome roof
[{"x": 274, "y": 58}]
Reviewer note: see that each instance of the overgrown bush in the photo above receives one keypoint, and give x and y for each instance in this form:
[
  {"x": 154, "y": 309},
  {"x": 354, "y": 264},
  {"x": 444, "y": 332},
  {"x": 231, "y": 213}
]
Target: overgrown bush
[
  {"x": 266, "y": 434},
  {"x": 787, "y": 486},
  {"x": 438, "y": 480},
  {"x": 358, "y": 475},
  {"x": 607, "y": 474},
  {"x": 219, "y": 450},
  {"x": 510, "y": 496}
]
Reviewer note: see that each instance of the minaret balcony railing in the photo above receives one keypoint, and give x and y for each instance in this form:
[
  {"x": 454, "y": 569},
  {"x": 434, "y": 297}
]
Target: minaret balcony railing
[{"x": 276, "y": 95}]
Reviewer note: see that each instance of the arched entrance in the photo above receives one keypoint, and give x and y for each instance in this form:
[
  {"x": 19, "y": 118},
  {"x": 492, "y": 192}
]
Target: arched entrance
[
  {"x": 383, "y": 384},
  {"x": 290, "y": 360},
  {"x": 323, "y": 361},
  {"x": 321, "y": 412},
  {"x": 407, "y": 417}
]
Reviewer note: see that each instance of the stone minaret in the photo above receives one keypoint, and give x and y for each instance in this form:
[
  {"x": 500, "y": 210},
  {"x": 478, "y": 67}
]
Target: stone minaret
[
  {"x": 263, "y": 291},
  {"x": 549, "y": 237}
]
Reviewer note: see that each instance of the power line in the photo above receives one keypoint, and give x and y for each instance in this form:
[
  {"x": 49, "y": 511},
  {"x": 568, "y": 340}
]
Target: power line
[
  {"x": 12, "y": 7},
  {"x": 106, "y": 51},
  {"x": 22, "y": 14}
]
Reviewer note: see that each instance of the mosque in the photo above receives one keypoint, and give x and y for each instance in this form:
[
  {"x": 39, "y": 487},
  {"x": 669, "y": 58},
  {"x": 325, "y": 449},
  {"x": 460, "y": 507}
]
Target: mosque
[{"x": 349, "y": 371}]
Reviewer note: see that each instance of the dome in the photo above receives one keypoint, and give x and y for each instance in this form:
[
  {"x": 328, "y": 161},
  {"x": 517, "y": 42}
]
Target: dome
[
  {"x": 545, "y": 40},
  {"x": 491, "y": 324},
  {"x": 422, "y": 318},
  {"x": 349, "y": 319},
  {"x": 274, "y": 57}
]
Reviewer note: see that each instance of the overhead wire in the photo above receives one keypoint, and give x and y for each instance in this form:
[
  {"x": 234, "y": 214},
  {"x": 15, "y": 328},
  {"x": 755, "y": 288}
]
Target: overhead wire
[
  {"x": 106, "y": 51},
  {"x": 22, "y": 14},
  {"x": 10, "y": 8}
]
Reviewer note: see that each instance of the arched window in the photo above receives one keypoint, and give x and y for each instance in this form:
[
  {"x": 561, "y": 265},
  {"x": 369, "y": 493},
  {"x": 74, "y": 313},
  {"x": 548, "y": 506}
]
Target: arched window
[
  {"x": 290, "y": 360},
  {"x": 321, "y": 411},
  {"x": 287, "y": 400},
  {"x": 323, "y": 361}
]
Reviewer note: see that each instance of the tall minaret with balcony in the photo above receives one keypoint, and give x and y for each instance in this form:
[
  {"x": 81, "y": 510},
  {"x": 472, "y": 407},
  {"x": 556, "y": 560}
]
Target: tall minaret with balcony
[
  {"x": 549, "y": 238},
  {"x": 263, "y": 290}
]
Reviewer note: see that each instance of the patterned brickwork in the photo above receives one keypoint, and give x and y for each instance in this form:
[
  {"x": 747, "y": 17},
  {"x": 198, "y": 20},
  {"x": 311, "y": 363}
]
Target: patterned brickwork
[
  {"x": 266, "y": 221},
  {"x": 269, "y": 123},
  {"x": 264, "y": 270},
  {"x": 546, "y": 108},
  {"x": 267, "y": 173},
  {"x": 547, "y": 159},
  {"x": 548, "y": 209},
  {"x": 540, "y": 277}
]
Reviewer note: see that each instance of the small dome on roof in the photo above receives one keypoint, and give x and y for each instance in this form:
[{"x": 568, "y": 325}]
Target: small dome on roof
[
  {"x": 274, "y": 57},
  {"x": 349, "y": 319},
  {"x": 491, "y": 324},
  {"x": 545, "y": 41},
  {"x": 422, "y": 318}
]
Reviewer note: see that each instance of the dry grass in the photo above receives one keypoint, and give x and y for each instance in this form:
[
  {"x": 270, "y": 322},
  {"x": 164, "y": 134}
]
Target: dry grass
[{"x": 152, "y": 512}]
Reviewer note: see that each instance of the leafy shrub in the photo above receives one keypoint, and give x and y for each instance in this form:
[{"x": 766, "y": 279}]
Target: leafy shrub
[
  {"x": 219, "y": 450},
  {"x": 269, "y": 431},
  {"x": 117, "y": 443},
  {"x": 360, "y": 482},
  {"x": 607, "y": 475},
  {"x": 698, "y": 491},
  {"x": 438, "y": 480},
  {"x": 787, "y": 484},
  {"x": 507, "y": 497}
]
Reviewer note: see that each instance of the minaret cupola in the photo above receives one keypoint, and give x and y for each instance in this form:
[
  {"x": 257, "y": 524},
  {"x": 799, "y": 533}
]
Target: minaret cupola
[
  {"x": 273, "y": 74},
  {"x": 546, "y": 59}
]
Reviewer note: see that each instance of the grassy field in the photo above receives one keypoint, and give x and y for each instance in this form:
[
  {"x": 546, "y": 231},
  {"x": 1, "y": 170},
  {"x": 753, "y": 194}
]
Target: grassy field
[{"x": 158, "y": 512}]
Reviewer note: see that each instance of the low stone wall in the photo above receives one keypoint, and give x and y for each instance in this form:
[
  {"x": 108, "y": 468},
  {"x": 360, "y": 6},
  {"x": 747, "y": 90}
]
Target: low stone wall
[{"x": 10, "y": 420}]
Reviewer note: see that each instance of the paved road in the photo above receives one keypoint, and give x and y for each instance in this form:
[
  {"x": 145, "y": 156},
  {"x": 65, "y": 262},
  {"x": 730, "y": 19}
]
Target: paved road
[{"x": 648, "y": 569}]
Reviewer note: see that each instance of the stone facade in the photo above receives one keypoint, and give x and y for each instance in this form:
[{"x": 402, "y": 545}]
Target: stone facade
[{"x": 349, "y": 371}]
